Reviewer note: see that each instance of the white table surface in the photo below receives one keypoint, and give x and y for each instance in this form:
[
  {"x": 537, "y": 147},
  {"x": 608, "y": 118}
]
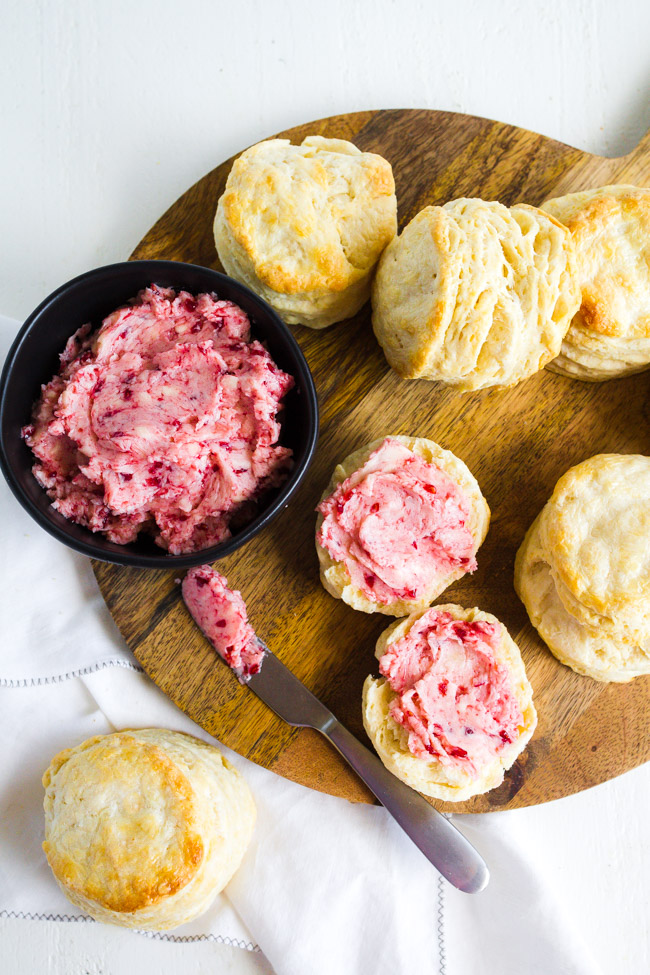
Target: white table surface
[{"x": 110, "y": 110}]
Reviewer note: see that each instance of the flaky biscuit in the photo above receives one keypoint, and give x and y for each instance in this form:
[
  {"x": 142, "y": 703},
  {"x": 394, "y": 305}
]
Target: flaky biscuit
[
  {"x": 596, "y": 526},
  {"x": 143, "y": 828},
  {"x": 474, "y": 294},
  {"x": 304, "y": 226},
  {"x": 335, "y": 576},
  {"x": 610, "y": 333},
  {"x": 592, "y": 650},
  {"x": 390, "y": 739}
]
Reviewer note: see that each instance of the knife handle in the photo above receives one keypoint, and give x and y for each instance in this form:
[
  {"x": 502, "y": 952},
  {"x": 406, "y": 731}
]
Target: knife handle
[{"x": 442, "y": 844}]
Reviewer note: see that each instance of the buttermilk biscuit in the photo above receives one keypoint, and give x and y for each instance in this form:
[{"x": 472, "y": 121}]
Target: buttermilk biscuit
[
  {"x": 400, "y": 520},
  {"x": 304, "y": 226},
  {"x": 474, "y": 294},
  {"x": 454, "y": 709},
  {"x": 583, "y": 569},
  {"x": 610, "y": 334},
  {"x": 144, "y": 828}
]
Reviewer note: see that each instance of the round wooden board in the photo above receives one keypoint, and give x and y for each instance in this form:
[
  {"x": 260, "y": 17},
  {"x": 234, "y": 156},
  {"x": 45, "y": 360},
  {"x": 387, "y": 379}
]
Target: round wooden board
[{"x": 517, "y": 442}]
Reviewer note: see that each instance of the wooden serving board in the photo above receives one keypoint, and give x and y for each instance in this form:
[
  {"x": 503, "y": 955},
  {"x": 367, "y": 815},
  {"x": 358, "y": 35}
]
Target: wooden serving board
[{"x": 517, "y": 442}]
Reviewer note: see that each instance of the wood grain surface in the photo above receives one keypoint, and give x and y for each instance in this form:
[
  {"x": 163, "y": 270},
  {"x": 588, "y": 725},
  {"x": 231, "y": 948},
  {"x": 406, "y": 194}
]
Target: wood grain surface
[{"x": 517, "y": 442}]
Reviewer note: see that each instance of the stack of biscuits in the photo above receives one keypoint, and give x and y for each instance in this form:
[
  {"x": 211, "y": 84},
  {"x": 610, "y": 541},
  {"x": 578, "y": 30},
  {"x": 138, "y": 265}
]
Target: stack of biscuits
[{"x": 475, "y": 295}]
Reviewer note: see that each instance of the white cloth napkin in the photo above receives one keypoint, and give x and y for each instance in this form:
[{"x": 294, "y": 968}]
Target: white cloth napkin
[{"x": 326, "y": 886}]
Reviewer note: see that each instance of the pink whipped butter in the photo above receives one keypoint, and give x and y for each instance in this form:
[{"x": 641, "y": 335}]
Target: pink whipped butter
[
  {"x": 453, "y": 696},
  {"x": 397, "y": 524},
  {"x": 162, "y": 421},
  {"x": 221, "y": 613}
]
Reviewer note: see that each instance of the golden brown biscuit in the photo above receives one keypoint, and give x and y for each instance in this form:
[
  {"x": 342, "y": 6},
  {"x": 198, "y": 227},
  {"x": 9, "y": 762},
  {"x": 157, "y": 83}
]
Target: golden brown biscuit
[
  {"x": 610, "y": 334},
  {"x": 583, "y": 569},
  {"x": 144, "y": 828},
  {"x": 335, "y": 574},
  {"x": 433, "y": 775},
  {"x": 474, "y": 294},
  {"x": 304, "y": 226}
]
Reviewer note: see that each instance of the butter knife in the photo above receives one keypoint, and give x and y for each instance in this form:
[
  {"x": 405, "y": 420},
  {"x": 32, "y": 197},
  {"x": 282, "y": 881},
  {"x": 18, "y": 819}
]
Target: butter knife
[{"x": 438, "y": 839}]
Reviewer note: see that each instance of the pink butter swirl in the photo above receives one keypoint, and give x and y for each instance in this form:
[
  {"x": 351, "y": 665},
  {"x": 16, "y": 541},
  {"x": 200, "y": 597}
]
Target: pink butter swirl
[
  {"x": 454, "y": 697},
  {"x": 221, "y": 614},
  {"x": 397, "y": 524},
  {"x": 163, "y": 421}
]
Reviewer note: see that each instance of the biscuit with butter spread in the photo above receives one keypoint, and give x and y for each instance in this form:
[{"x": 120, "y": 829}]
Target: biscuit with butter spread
[
  {"x": 400, "y": 520},
  {"x": 453, "y": 708}
]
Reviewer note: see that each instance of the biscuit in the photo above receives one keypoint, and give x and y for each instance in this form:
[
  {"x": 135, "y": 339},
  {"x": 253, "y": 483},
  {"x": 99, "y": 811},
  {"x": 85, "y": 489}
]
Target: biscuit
[
  {"x": 443, "y": 769},
  {"x": 583, "y": 569},
  {"x": 304, "y": 226},
  {"x": 144, "y": 828},
  {"x": 610, "y": 333},
  {"x": 414, "y": 564},
  {"x": 474, "y": 294}
]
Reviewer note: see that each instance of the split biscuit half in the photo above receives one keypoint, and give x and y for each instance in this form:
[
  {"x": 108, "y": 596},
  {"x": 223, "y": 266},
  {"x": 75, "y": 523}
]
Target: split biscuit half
[
  {"x": 362, "y": 571},
  {"x": 440, "y": 774}
]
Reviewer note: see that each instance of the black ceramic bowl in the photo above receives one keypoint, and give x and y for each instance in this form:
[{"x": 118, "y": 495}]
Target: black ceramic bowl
[{"x": 34, "y": 358}]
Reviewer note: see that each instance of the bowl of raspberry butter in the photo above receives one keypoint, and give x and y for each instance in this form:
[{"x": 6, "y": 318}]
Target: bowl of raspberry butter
[{"x": 155, "y": 414}]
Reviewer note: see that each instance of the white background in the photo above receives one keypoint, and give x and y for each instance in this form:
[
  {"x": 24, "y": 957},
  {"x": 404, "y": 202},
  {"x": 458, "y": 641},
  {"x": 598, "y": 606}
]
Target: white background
[{"x": 111, "y": 109}]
